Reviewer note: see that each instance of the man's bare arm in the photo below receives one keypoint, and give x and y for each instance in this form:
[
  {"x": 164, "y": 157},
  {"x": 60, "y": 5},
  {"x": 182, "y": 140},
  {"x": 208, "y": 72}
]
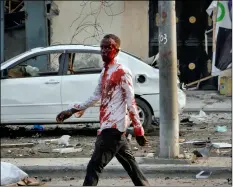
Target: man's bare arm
[{"x": 74, "y": 108}]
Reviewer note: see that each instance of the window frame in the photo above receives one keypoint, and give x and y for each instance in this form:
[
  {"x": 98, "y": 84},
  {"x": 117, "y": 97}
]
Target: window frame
[
  {"x": 36, "y": 54},
  {"x": 84, "y": 71}
]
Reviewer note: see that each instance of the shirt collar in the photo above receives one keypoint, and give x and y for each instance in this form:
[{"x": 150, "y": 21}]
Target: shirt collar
[{"x": 106, "y": 66}]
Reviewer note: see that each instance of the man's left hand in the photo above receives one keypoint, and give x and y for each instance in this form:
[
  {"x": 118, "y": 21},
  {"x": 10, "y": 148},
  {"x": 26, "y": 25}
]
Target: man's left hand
[{"x": 141, "y": 140}]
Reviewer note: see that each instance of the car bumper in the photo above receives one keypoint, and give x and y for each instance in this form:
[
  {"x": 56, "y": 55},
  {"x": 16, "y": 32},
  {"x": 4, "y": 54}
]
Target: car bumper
[{"x": 153, "y": 100}]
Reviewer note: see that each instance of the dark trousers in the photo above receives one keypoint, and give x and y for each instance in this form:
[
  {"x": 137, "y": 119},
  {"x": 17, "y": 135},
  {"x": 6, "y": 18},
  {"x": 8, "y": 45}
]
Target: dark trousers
[{"x": 110, "y": 143}]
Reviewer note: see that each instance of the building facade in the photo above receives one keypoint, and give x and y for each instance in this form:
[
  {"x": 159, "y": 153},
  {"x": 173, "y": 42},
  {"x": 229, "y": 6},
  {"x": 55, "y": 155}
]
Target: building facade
[{"x": 135, "y": 22}]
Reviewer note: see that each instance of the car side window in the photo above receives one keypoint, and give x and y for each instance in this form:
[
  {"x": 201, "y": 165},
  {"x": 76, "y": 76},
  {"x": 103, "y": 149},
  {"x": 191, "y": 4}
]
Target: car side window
[
  {"x": 84, "y": 61},
  {"x": 32, "y": 68}
]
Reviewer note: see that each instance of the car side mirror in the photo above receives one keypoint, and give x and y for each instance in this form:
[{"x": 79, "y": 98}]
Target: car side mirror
[{"x": 4, "y": 73}]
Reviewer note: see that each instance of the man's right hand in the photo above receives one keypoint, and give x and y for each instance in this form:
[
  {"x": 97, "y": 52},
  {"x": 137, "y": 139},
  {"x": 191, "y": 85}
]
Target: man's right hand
[
  {"x": 64, "y": 115},
  {"x": 79, "y": 114}
]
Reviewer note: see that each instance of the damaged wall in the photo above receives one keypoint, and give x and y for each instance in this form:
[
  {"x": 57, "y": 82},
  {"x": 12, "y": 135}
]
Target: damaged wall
[
  {"x": 15, "y": 43},
  {"x": 85, "y": 22}
]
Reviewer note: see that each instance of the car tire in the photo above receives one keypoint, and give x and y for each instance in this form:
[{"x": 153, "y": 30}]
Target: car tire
[{"x": 147, "y": 112}]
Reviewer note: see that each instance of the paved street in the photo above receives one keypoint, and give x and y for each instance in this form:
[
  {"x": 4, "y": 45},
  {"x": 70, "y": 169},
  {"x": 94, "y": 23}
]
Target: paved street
[{"x": 166, "y": 181}]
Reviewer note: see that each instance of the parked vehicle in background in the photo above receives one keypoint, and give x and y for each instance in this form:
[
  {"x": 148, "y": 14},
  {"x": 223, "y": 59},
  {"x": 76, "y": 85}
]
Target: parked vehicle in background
[{"x": 32, "y": 95}]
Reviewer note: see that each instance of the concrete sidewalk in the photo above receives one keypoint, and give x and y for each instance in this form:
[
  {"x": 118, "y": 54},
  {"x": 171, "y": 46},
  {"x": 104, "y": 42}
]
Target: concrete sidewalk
[
  {"x": 208, "y": 101},
  {"x": 148, "y": 165}
]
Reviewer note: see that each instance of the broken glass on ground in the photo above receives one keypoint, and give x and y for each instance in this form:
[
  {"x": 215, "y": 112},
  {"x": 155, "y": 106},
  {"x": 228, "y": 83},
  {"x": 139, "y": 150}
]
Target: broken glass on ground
[
  {"x": 222, "y": 145},
  {"x": 221, "y": 128},
  {"x": 200, "y": 117},
  {"x": 203, "y": 175}
]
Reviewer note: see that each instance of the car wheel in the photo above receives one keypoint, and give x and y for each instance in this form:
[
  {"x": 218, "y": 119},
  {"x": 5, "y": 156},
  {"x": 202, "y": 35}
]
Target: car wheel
[{"x": 144, "y": 112}]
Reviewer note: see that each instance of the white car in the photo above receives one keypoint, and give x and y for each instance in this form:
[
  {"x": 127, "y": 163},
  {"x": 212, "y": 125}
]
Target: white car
[{"x": 37, "y": 85}]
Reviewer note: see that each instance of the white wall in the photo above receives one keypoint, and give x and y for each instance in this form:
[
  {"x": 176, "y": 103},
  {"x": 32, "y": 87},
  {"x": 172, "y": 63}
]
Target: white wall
[{"x": 126, "y": 19}]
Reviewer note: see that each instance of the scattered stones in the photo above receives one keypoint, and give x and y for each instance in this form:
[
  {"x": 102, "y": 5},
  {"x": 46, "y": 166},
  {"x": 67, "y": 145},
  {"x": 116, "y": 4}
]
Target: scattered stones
[
  {"x": 44, "y": 151},
  {"x": 67, "y": 150},
  {"x": 9, "y": 151},
  {"x": 166, "y": 178},
  {"x": 150, "y": 155},
  {"x": 91, "y": 152},
  {"x": 185, "y": 120},
  {"x": 181, "y": 133},
  {"x": 47, "y": 179},
  {"x": 17, "y": 145},
  {"x": 31, "y": 151},
  {"x": 66, "y": 178},
  {"x": 181, "y": 156},
  {"x": 187, "y": 156},
  {"x": 135, "y": 148},
  {"x": 181, "y": 140}
]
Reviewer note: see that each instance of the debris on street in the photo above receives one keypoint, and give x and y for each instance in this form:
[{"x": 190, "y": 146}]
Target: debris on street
[
  {"x": 67, "y": 150},
  {"x": 196, "y": 155},
  {"x": 47, "y": 179},
  {"x": 150, "y": 155},
  {"x": 196, "y": 143},
  {"x": 203, "y": 175},
  {"x": 229, "y": 181},
  {"x": 200, "y": 117},
  {"x": 129, "y": 137},
  {"x": 197, "y": 137},
  {"x": 11, "y": 174},
  {"x": 66, "y": 178},
  {"x": 205, "y": 152},
  {"x": 181, "y": 140},
  {"x": 14, "y": 176},
  {"x": 222, "y": 145},
  {"x": 17, "y": 145},
  {"x": 38, "y": 127},
  {"x": 64, "y": 140},
  {"x": 185, "y": 120},
  {"x": 221, "y": 129},
  {"x": 30, "y": 182}
]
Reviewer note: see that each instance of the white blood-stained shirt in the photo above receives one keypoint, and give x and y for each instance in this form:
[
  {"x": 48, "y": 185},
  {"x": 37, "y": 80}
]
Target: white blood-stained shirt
[{"x": 116, "y": 92}]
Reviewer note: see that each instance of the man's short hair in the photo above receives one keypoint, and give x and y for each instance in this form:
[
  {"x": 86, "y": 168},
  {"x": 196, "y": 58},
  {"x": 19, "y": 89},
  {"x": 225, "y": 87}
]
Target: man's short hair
[{"x": 115, "y": 38}]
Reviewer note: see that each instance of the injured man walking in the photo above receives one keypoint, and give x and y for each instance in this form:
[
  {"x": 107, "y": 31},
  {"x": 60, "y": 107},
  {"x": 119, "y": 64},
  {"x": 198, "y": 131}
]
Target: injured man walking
[{"x": 116, "y": 93}]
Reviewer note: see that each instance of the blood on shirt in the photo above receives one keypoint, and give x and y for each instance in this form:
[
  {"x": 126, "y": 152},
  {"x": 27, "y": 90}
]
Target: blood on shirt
[{"x": 108, "y": 87}]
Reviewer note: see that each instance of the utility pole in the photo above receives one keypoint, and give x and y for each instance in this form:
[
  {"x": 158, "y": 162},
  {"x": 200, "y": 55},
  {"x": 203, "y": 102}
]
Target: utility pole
[
  {"x": 169, "y": 120},
  {"x": 2, "y": 31}
]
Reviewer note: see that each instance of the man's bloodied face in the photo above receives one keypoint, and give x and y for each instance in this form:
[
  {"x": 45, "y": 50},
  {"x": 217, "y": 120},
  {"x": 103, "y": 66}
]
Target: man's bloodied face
[{"x": 108, "y": 50}]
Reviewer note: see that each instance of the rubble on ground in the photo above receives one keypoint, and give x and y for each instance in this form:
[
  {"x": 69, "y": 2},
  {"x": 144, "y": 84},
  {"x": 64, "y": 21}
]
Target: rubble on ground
[{"x": 14, "y": 176}]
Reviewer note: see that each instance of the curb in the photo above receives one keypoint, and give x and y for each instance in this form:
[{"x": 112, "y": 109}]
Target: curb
[
  {"x": 119, "y": 170},
  {"x": 61, "y": 162},
  {"x": 208, "y": 110}
]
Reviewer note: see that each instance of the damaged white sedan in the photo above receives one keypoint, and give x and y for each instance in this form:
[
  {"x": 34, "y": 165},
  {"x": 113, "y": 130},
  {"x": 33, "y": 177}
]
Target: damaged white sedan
[{"x": 32, "y": 92}]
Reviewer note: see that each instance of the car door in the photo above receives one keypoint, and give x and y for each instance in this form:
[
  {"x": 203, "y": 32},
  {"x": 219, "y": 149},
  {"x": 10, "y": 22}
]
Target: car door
[
  {"x": 31, "y": 95},
  {"x": 78, "y": 85}
]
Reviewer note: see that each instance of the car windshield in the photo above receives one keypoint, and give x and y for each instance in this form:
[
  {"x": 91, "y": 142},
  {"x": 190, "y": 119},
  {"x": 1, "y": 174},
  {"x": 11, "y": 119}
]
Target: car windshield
[{"x": 13, "y": 58}]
